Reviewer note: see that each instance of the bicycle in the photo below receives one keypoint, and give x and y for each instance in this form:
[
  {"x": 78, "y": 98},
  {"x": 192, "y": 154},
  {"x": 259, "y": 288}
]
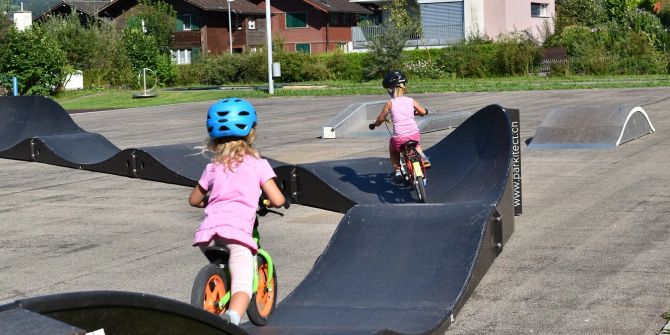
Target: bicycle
[
  {"x": 211, "y": 286},
  {"x": 413, "y": 169},
  {"x": 412, "y": 165}
]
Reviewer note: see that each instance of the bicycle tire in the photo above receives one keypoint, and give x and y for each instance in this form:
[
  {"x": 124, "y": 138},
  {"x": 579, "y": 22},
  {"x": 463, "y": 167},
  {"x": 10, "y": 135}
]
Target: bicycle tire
[
  {"x": 420, "y": 189},
  {"x": 209, "y": 286},
  {"x": 264, "y": 300}
]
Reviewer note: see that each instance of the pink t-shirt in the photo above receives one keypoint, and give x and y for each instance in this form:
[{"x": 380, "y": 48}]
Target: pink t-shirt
[
  {"x": 233, "y": 199},
  {"x": 402, "y": 115}
]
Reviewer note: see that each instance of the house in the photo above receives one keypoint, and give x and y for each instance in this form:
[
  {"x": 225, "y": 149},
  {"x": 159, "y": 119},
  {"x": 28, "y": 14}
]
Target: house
[
  {"x": 314, "y": 26},
  {"x": 87, "y": 10},
  {"x": 202, "y": 25},
  {"x": 445, "y": 22}
]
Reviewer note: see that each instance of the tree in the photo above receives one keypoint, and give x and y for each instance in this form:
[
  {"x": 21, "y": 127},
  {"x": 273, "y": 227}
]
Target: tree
[
  {"x": 589, "y": 13},
  {"x": 617, "y": 9},
  {"x": 156, "y": 18},
  {"x": 403, "y": 16},
  {"x": 386, "y": 48}
]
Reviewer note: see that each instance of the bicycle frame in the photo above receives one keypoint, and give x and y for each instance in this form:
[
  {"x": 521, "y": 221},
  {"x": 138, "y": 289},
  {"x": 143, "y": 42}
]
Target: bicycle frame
[
  {"x": 262, "y": 253},
  {"x": 412, "y": 162}
]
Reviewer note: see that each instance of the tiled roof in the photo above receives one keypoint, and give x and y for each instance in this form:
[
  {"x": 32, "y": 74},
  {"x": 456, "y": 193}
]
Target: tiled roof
[
  {"x": 237, "y": 6},
  {"x": 339, "y": 6},
  {"x": 88, "y": 7}
]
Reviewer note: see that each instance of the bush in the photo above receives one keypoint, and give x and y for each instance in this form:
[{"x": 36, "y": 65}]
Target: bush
[
  {"x": 422, "y": 63},
  {"x": 637, "y": 55},
  {"x": 293, "y": 66},
  {"x": 254, "y": 68},
  {"x": 189, "y": 74},
  {"x": 37, "y": 61},
  {"x": 221, "y": 69},
  {"x": 466, "y": 59},
  {"x": 517, "y": 54}
]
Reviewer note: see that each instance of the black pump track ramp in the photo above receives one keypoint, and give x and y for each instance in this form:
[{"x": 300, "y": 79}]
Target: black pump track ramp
[{"x": 393, "y": 266}]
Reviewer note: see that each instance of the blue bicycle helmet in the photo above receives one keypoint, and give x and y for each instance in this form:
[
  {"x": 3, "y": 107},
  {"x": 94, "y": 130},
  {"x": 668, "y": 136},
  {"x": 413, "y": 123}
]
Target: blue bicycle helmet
[{"x": 230, "y": 117}]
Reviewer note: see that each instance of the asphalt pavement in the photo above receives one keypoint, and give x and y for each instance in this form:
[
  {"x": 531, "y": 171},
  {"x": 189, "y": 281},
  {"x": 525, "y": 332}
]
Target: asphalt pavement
[{"x": 589, "y": 254}]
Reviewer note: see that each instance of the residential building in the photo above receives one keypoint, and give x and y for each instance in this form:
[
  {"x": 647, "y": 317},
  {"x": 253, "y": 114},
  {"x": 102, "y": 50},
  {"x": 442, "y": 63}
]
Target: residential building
[
  {"x": 314, "y": 26},
  {"x": 445, "y": 22},
  {"x": 87, "y": 10},
  {"x": 202, "y": 26}
]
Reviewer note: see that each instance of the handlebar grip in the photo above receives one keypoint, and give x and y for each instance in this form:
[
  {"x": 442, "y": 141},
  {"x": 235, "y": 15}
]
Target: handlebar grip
[{"x": 371, "y": 126}]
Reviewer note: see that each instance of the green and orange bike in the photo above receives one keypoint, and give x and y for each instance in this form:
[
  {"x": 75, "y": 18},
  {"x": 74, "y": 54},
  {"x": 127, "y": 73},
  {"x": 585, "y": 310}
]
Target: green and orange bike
[{"x": 211, "y": 286}]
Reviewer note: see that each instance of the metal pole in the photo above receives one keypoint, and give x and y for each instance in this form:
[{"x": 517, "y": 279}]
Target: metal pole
[
  {"x": 15, "y": 85},
  {"x": 144, "y": 70},
  {"x": 230, "y": 31},
  {"x": 268, "y": 30}
]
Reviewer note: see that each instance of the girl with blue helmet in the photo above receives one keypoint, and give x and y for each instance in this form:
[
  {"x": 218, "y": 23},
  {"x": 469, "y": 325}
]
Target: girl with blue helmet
[{"x": 234, "y": 181}]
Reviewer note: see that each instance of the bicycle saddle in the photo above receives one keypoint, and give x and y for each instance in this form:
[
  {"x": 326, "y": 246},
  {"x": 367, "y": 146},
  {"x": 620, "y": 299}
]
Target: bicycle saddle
[
  {"x": 409, "y": 144},
  {"x": 217, "y": 254}
]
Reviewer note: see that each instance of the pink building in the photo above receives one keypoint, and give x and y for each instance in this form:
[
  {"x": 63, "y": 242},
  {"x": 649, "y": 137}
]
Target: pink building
[
  {"x": 490, "y": 17},
  {"x": 448, "y": 21},
  {"x": 504, "y": 16}
]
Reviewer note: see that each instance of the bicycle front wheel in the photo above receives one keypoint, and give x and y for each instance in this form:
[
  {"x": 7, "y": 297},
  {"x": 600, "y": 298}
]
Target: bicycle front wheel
[
  {"x": 420, "y": 189},
  {"x": 264, "y": 300}
]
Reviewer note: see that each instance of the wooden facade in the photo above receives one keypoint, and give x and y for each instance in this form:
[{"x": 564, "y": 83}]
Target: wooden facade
[{"x": 202, "y": 25}]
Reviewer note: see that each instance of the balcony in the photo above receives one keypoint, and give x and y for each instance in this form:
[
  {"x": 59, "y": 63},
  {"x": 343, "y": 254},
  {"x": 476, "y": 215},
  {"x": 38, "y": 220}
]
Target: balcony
[{"x": 432, "y": 35}]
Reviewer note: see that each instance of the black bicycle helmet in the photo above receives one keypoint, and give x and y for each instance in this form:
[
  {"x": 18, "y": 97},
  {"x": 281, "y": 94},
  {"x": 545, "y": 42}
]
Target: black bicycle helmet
[{"x": 394, "y": 79}]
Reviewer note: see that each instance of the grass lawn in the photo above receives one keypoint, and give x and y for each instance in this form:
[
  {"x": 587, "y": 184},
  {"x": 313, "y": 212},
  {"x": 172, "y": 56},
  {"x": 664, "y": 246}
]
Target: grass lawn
[{"x": 112, "y": 99}]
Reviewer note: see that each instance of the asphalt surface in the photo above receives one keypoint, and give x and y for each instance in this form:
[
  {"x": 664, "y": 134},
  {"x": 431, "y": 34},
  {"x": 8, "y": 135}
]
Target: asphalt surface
[{"x": 589, "y": 254}]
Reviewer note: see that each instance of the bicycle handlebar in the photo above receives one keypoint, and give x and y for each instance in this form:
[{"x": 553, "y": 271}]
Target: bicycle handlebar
[{"x": 371, "y": 126}]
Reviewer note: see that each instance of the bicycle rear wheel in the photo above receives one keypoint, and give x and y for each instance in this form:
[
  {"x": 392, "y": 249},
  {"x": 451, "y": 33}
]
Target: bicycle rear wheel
[
  {"x": 210, "y": 285},
  {"x": 420, "y": 189}
]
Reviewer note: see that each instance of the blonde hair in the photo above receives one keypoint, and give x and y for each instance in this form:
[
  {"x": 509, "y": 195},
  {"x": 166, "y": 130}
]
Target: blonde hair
[
  {"x": 230, "y": 151},
  {"x": 399, "y": 90}
]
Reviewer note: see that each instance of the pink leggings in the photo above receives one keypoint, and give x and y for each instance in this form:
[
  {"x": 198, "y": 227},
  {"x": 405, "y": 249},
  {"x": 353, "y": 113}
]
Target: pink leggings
[{"x": 240, "y": 263}]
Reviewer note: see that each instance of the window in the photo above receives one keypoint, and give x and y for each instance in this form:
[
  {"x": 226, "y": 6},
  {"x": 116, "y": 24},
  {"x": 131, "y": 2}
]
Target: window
[
  {"x": 332, "y": 18},
  {"x": 186, "y": 19},
  {"x": 296, "y": 20},
  {"x": 251, "y": 24},
  {"x": 538, "y": 9},
  {"x": 302, "y": 47},
  {"x": 181, "y": 56}
]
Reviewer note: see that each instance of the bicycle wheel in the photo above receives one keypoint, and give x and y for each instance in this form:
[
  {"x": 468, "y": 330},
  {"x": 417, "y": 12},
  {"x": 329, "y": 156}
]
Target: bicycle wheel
[
  {"x": 420, "y": 189},
  {"x": 209, "y": 286},
  {"x": 264, "y": 300}
]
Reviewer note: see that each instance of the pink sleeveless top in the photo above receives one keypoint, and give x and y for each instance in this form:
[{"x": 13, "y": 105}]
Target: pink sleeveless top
[{"x": 402, "y": 114}]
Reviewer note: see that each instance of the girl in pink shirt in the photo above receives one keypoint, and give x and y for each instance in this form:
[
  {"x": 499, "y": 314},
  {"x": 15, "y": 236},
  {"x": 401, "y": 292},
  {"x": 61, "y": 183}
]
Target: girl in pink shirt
[
  {"x": 234, "y": 180},
  {"x": 402, "y": 110}
]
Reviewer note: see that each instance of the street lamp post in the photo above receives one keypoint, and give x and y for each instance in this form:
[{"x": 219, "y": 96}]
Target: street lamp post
[
  {"x": 230, "y": 30},
  {"x": 268, "y": 26}
]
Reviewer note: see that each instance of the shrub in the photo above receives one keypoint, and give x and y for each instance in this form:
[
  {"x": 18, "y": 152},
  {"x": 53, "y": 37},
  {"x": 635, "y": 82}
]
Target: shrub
[
  {"x": 517, "y": 54},
  {"x": 189, "y": 74},
  {"x": 313, "y": 71},
  {"x": 637, "y": 55},
  {"x": 221, "y": 69},
  {"x": 38, "y": 62},
  {"x": 254, "y": 68},
  {"x": 468, "y": 59},
  {"x": 292, "y": 66}
]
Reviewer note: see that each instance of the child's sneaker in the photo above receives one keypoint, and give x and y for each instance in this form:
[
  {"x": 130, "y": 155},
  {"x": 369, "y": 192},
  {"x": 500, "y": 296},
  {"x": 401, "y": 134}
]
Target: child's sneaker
[
  {"x": 397, "y": 177},
  {"x": 426, "y": 162}
]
